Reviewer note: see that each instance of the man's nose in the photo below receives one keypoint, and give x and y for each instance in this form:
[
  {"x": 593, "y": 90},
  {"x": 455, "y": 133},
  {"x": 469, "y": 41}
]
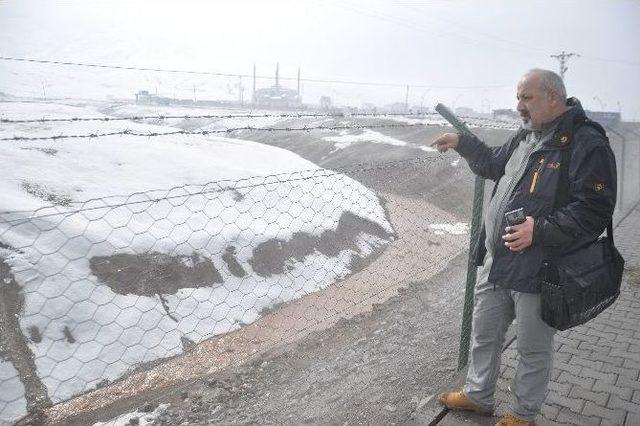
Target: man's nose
[{"x": 520, "y": 107}]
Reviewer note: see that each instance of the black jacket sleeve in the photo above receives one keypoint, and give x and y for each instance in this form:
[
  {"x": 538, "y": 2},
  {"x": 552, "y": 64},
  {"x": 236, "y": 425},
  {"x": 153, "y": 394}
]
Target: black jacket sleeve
[
  {"x": 485, "y": 161},
  {"x": 592, "y": 194}
]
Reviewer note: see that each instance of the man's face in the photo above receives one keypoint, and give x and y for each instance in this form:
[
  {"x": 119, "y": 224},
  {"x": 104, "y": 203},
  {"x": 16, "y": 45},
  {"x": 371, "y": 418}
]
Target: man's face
[{"x": 535, "y": 105}]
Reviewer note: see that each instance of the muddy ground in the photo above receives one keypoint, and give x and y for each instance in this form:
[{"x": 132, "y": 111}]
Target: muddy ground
[{"x": 376, "y": 368}]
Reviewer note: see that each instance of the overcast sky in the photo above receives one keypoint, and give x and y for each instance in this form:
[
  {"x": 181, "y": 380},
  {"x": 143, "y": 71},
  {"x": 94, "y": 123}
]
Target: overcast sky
[{"x": 480, "y": 48}]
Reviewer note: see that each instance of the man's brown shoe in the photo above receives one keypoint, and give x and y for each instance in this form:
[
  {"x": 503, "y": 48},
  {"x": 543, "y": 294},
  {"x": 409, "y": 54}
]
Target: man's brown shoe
[
  {"x": 511, "y": 420},
  {"x": 459, "y": 401}
]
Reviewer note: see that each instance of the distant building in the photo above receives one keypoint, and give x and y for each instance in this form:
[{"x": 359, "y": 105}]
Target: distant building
[
  {"x": 465, "y": 111},
  {"x": 606, "y": 118},
  {"x": 505, "y": 114},
  {"x": 325, "y": 102},
  {"x": 396, "y": 107},
  {"x": 144, "y": 97},
  {"x": 368, "y": 108},
  {"x": 278, "y": 96},
  {"x": 419, "y": 109}
]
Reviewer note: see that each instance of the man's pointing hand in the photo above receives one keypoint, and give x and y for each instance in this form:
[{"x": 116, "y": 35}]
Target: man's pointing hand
[{"x": 446, "y": 141}]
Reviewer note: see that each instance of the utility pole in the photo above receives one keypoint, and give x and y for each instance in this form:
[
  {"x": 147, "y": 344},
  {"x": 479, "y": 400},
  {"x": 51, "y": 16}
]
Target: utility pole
[
  {"x": 299, "y": 97},
  {"x": 240, "y": 91},
  {"x": 406, "y": 100},
  {"x": 253, "y": 95},
  {"x": 603, "y": 106},
  {"x": 562, "y": 57}
]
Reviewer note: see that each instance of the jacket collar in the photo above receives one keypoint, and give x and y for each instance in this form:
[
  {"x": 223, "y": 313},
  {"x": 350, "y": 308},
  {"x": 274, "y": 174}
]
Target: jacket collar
[{"x": 563, "y": 135}]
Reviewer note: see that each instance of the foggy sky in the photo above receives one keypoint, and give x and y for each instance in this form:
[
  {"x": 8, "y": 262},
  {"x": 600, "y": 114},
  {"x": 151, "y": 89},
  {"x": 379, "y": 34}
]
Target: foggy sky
[{"x": 437, "y": 44}]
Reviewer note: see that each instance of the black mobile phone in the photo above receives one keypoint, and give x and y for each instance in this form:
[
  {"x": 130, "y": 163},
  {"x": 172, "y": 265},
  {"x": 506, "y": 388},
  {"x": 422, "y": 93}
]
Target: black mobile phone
[{"x": 515, "y": 217}]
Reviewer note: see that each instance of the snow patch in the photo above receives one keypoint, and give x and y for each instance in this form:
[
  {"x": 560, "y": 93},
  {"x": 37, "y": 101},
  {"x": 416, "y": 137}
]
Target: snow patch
[
  {"x": 13, "y": 405},
  {"x": 144, "y": 419},
  {"x": 459, "y": 228},
  {"x": 428, "y": 148},
  {"x": 367, "y": 135}
]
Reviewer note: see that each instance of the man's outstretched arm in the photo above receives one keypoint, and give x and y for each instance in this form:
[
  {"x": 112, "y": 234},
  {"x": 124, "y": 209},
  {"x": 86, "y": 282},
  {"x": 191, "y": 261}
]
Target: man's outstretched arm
[{"x": 485, "y": 161}]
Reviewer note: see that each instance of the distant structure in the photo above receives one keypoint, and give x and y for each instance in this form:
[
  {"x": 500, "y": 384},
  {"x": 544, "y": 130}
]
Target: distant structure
[
  {"x": 505, "y": 114},
  {"x": 325, "y": 103},
  {"x": 465, "y": 111},
  {"x": 144, "y": 97},
  {"x": 368, "y": 108},
  {"x": 606, "y": 118},
  {"x": 276, "y": 96},
  {"x": 471, "y": 113},
  {"x": 394, "y": 108},
  {"x": 419, "y": 109}
]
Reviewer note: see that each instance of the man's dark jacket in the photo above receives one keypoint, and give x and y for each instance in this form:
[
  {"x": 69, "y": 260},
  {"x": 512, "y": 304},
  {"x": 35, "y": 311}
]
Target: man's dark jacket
[{"x": 560, "y": 225}]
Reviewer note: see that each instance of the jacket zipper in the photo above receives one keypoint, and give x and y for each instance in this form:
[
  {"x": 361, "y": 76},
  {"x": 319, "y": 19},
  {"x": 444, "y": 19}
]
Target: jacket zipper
[{"x": 536, "y": 176}]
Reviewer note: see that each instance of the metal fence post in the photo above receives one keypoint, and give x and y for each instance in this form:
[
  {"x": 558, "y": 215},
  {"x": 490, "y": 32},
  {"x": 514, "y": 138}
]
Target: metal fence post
[
  {"x": 465, "y": 335},
  {"x": 476, "y": 218}
]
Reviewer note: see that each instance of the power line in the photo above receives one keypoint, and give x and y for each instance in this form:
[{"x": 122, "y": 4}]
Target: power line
[
  {"x": 310, "y": 80},
  {"x": 618, "y": 61},
  {"x": 475, "y": 31},
  {"x": 470, "y": 39}
]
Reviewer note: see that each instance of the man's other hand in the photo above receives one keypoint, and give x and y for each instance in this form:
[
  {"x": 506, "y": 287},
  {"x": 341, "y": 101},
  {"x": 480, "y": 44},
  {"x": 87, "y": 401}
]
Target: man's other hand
[
  {"x": 519, "y": 237},
  {"x": 446, "y": 141}
]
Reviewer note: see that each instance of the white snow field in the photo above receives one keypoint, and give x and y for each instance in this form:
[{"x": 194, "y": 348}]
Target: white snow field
[
  {"x": 12, "y": 404},
  {"x": 347, "y": 138},
  {"x": 68, "y": 201}
]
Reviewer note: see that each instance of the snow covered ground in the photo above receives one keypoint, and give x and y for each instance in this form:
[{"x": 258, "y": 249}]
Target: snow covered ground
[
  {"x": 12, "y": 404},
  {"x": 349, "y": 137},
  {"x": 69, "y": 202}
]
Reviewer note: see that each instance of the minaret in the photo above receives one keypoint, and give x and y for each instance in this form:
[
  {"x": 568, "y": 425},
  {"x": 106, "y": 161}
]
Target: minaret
[
  {"x": 299, "y": 97},
  {"x": 253, "y": 97},
  {"x": 277, "y": 73}
]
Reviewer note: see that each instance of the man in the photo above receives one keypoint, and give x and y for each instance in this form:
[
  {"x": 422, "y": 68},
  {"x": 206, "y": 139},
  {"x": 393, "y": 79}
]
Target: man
[{"x": 528, "y": 174}]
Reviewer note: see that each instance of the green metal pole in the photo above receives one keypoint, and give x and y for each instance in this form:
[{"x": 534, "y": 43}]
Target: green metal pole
[
  {"x": 467, "y": 313},
  {"x": 476, "y": 220}
]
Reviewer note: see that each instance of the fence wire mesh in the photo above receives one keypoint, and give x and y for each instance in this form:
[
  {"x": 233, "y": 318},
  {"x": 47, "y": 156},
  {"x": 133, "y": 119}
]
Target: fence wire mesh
[
  {"x": 93, "y": 291},
  {"x": 115, "y": 298}
]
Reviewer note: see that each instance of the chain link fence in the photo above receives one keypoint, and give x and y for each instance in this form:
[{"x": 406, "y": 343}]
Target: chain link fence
[
  {"x": 116, "y": 298},
  {"x": 102, "y": 291},
  {"x": 625, "y": 142}
]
